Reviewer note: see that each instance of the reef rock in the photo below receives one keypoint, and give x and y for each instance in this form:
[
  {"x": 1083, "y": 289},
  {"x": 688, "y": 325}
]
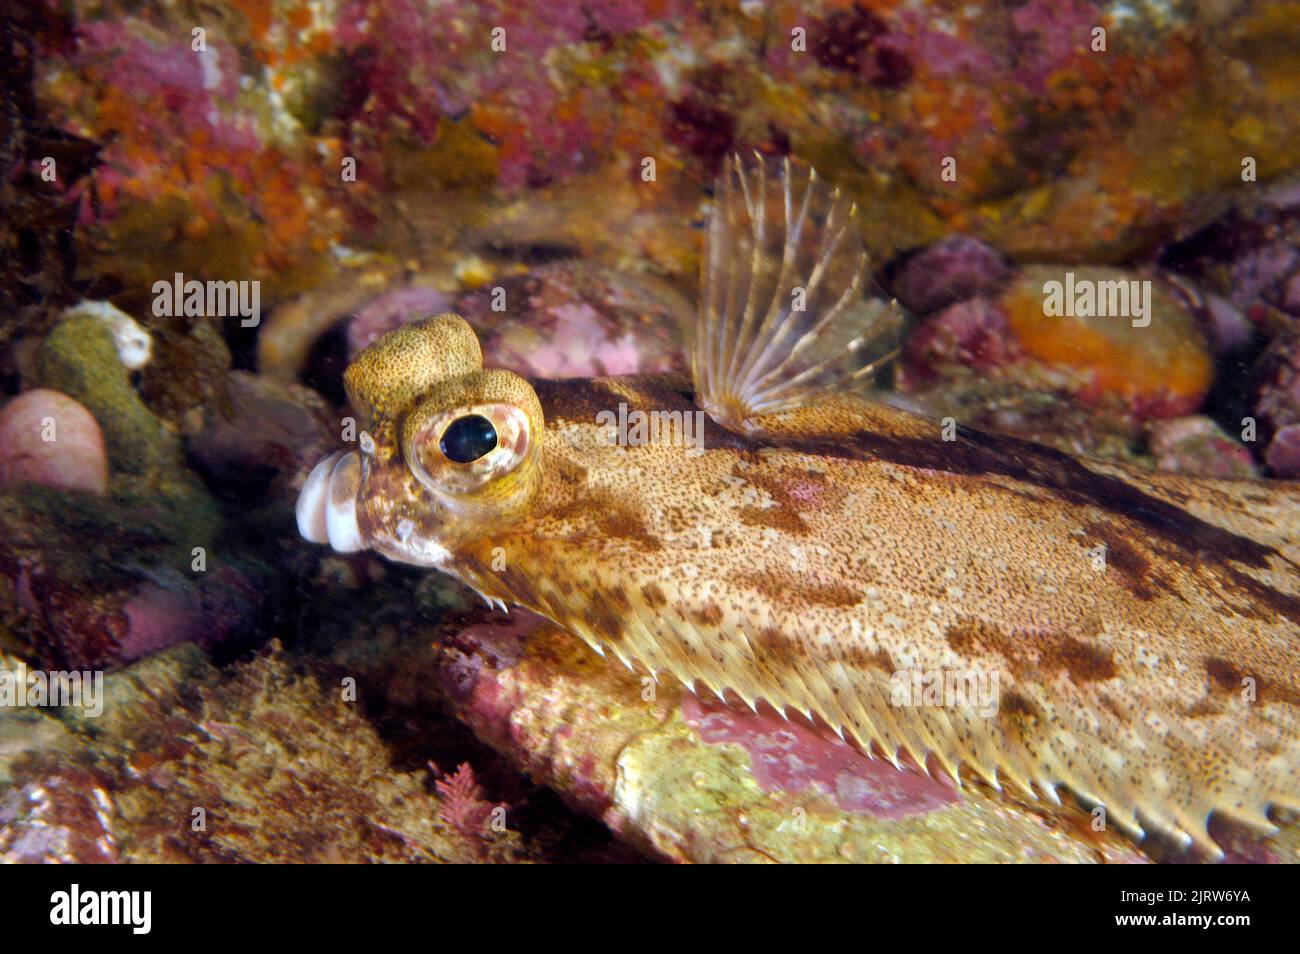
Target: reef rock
[
  {"x": 134, "y": 344},
  {"x": 1198, "y": 446},
  {"x": 571, "y": 319},
  {"x": 1082, "y": 358},
  {"x": 80, "y": 358},
  {"x": 953, "y": 269},
  {"x": 689, "y": 779},
  {"x": 261, "y": 440},
  {"x": 1112, "y": 333},
  {"x": 390, "y": 311},
  {"x": 96, "y": 582},
  {"x": 1278, "y": 405},
  {"x": 266, "y": 764}
]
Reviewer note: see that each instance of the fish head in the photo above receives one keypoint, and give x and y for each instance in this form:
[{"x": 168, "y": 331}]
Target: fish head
[{"x": 449, "y": 451}]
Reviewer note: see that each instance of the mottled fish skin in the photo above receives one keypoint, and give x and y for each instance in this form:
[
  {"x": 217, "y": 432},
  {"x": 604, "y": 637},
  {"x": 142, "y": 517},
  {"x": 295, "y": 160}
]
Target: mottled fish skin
[
  {"x": 809, "y": 556},
  {"x": 807, "y": 565}
]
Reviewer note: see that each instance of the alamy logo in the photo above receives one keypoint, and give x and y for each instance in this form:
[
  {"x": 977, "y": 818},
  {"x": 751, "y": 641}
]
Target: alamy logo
[
  {"x": 1088, "y": 298},
  {"x": 196, "y": 299},
  {"x": 103, "y": 907},
  {"x": 82, "y": 690},
  {"x": 637, "y": 428},
  {"x": 946, "y": 688}
]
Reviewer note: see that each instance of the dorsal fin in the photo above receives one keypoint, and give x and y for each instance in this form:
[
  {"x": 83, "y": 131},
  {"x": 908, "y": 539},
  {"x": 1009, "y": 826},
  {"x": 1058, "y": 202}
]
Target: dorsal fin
[{"x": 782, "y": 321}]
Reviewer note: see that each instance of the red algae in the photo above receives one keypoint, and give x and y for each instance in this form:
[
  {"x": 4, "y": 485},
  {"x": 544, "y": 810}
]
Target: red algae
[{"x": 788, "y": 756}]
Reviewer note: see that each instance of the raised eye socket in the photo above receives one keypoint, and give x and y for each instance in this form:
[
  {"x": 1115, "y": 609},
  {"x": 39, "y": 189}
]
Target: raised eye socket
[
  {"x": 468, "y": 438},
  {"x": 460, "y": 450}
]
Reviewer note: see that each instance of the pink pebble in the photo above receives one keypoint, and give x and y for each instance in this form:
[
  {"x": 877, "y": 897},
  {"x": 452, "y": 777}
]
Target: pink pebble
[{"x": 50, "y": 439}]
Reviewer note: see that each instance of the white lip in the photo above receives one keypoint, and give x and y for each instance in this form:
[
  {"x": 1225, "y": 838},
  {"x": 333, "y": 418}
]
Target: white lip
[
  {"x": 327, "y": 513},
  {"x": 310, "y": 509},
  {"x": 341, "y": 505},
  {"x": 327, "y": 504}
]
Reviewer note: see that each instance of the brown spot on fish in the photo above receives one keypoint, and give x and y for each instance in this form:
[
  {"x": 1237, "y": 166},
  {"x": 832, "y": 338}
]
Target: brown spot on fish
[
  {"x": 1131, "y": 567},
  {"x": 1033, "y": 648},
  {"x": 618, "y": 596},
  {"x": 780, "y": 587},
  {"x": 1265, "y": 603},
  {"x": 611, "y": 520},
  {"x": 578, "y": 400},
  {"x": 868, "y": 659},
  {"x": 1111, "y": 706},
  {"x": 968, "y": 633},
  {"x": 707, "y": 615},
  {"x": 1018, "y": 708},
  {"x": 1082, "y": 661},
  {"x": 627, "y": 525},
  {"x": 772, "y": 643},
  {"x": 602, "y": 619},
  {"x": 1203, "y": 708},
  {"x": 520, "y": 585},
  {"x": 1231, "y": 678},
  {"x": 654, "y": 596},
  {"x": 567, "y": 472},
  {"x": 1224, "y": 674},
  {"x": 776, "y": 517}
]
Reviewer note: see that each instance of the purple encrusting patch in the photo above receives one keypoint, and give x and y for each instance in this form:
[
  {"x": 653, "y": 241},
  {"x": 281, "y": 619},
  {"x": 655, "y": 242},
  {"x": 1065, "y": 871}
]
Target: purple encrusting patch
[
  {"x": 501, "y": 638},
  {"x": 390, "y": 311},
  {"x": 790, "y": 757},
  {"x": 1240, "y": 844}
]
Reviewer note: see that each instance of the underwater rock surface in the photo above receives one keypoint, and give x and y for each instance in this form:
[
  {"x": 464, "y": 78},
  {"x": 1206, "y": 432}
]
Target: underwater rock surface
[
  {"x": 877, "y": 96},
  {"x": 684, "y": 779},
  {"x": 1197, "y": 445},
  {"x": 1279, "y": 404},
  {"x": 80, "y": 358},
  {"x": 265, "y": 765}
]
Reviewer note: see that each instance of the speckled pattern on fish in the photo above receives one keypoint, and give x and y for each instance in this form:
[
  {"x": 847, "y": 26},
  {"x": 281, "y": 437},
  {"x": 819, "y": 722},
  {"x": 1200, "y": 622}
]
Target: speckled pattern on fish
[{"x": 1145, "y": 628}]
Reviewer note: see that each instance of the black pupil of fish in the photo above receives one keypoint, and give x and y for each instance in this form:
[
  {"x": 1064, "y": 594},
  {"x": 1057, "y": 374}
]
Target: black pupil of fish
[{"x": 468, "y": 438}]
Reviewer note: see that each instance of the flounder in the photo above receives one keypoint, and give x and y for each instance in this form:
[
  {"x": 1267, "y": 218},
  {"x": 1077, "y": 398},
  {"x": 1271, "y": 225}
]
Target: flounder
[{"x": 816, "y": 549}]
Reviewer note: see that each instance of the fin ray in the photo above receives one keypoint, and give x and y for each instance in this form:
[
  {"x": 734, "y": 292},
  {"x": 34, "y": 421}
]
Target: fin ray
[{"x": 783, "y": 321}]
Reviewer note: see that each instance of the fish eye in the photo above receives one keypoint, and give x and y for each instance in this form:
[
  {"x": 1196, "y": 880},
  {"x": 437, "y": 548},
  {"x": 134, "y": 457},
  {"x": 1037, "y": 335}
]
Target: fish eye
[
  {"x": 468, "y": 438},
  {"x": 461, "y": 450},
  {"x": 474, "y": 443}
]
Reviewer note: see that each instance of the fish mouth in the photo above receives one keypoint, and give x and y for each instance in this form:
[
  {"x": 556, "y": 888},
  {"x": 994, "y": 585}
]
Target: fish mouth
[
  {"x": 327, "y": 504},
  {"x": 328, "y": 511}
]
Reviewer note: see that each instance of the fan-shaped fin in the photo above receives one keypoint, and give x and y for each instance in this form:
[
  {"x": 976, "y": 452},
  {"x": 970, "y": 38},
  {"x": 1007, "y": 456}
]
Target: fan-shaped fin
[{"x": 782, "y": 319}]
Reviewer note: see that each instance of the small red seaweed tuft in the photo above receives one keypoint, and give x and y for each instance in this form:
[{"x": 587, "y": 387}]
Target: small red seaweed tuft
[{"x": 462, "y": 805}]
